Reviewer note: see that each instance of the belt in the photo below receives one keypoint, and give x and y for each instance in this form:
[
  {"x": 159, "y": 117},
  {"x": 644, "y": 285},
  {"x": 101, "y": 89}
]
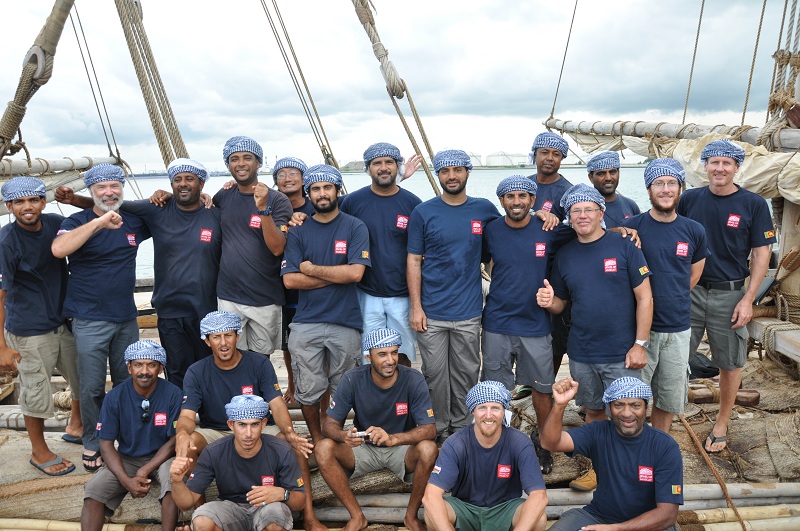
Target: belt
[{"x": 728, "y": 285}]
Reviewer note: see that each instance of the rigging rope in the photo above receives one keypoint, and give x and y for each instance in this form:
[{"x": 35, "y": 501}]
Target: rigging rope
[
  {"x": 694, "y": 56},
  {"x": 753, "y": 63},
  {"x": 564, "y": 59}
]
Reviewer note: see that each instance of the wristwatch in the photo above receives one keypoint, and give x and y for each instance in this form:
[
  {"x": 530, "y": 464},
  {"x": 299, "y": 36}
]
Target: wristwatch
[
  {"x": 643, "y": 343},
  {"x": 267, "y": 212},
  {"x": 285, "y": 495}
]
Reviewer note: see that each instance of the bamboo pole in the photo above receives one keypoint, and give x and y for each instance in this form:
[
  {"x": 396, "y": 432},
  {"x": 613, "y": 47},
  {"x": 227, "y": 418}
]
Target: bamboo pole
[
  {"x": 713, "y": 516},
  {"x": 778, "y": 524},
  {"x": 40, "y": 166}
]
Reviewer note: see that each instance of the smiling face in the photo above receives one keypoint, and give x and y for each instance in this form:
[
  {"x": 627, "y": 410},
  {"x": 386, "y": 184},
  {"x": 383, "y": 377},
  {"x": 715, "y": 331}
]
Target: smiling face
[
  {"x": 384, "y": 362},
  {"x": 243, "y": 166},
  {"x": 720, "y": 172},
  {"x": 665, "y": 192},
  {"x": 383, "y": 171},
  {"x": 289, "y": 181},
  {"x": 186, "y": 189},
  {"x": 489, "y": 419},
  {"x": 144, "y": 374},
  {"x": 585, "y": 218},
  {"x": 28, "y": 211},
  {"x": 107, "y": 195},
  {"x": 628, "y": 415},
  {"x": 517, "y": 205},
  {"x": 453, "y": 179},
  {"x": 605, "y": 181}
]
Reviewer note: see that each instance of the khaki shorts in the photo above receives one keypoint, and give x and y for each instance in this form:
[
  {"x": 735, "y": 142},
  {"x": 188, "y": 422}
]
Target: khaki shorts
[
  {"x": 232, "y": 516},
  {"x": 370, "y": 458},
  {"x": 667, "y": 370},
  {"x": 211, "y": 435},
  {"x": 106, "y": 488},
  {"x": 712, "y": 310},
  {"x": 261, "y": 326}
]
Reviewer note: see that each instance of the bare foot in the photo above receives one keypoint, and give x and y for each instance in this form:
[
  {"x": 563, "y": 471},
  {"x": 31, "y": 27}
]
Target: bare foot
[
  {"x": 312, "y": 524},
  {"x": 414, "y": 523},
  {"x": 356, "y": 524}
]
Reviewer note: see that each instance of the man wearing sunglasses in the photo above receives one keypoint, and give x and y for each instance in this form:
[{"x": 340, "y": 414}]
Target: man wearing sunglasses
[{"x": 140, "y": 415}]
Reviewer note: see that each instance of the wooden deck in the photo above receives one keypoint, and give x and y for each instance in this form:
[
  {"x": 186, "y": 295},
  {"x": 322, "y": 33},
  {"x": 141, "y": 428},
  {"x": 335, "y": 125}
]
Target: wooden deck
[{"x": 787, "y": 342}]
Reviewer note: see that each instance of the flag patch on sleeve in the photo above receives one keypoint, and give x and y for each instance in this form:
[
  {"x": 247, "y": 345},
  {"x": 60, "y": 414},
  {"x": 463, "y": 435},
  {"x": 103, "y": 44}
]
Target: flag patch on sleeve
[
  {"x": 430, "y": 412},
  {"x": 299, "y": 482},
  {"x": 365, "y": 255},
  {"x": 769, "y": 234},
  {"x": 644, "y": 270},
  {"x": 676, "y": 489}
]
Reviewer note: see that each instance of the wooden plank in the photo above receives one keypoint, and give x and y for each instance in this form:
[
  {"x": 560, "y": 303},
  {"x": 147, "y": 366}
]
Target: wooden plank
[{"x": 787, "y": 342}]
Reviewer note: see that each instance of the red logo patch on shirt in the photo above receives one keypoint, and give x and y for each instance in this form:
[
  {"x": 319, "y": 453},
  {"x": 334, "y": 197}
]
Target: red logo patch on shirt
[
  {"x": 477, "y": 226},
  {"x": 255, "y": 221},
  {"x": 340, "y": 247},
  {"x": 503, "y": 471},
  {"x": 627, "y": 216},
  {"x": 646, "y": 474},
  {"x": 547, "y": 206},
  {"x": 401, "y": 408},
  {"x": 541, "y": 249},
  {"x": 131, "y": 239},
  {"x": 402, "y": 221},
  {"x": 99, "y": 426},
  {"x": 610, "y": 265},
  {"x": 160, "y": 419},
  {"x": 267, "y": 481},
  {"x": 682, "y": 250},
  {"x": 205, "y": 235},
  {"x": 733, "y": 220},
  {"x": 247, "y": 389}
]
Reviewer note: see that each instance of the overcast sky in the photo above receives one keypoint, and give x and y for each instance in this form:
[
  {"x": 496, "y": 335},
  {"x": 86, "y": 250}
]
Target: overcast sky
[{"x": 482, "y": 74}]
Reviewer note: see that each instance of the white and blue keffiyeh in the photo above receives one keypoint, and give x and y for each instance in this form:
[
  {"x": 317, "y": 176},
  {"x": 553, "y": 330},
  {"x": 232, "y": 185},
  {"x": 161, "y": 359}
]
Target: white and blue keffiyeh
[
  {"x": 187, "y": 165},
  {"x": 548, "y": 140},
  {"x": 20, "y": 187},
  {"x": 246, "y": 407},
  {"x": 102, "y": 173},
  {"x": 382, "y": 149},
  {"x": 146, "y": 349},
  {"x": 488, "y": 391},
  {"x": 516, "y": 183},
  {"x": 665, "y": 167},
  {"x": 627, "y": 387},
  {"x": 321, "y": 173},
  {"x": 242, "y": 143},
  {"x": 381, "y": 338},
  {"x": 288, "y": 162},
  {"x": 218, "y": 321},
  {"x": 605, "y": 160},
  {"x": 451, "y": 158},
  {"x": 722, "y": 148}
]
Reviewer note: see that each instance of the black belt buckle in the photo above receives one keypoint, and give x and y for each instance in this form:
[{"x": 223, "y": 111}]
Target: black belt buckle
[{"x": 730, "y": 285}]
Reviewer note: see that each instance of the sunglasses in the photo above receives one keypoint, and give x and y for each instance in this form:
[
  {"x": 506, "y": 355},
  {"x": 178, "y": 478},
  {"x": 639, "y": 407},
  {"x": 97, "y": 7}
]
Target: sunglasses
[{"x": 145, "y": 411}]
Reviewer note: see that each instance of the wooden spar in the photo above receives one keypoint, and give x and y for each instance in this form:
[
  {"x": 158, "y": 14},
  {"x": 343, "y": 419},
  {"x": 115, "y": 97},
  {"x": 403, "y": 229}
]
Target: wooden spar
[
  {"x": 713, "y": 516},
  {"x": 775, "y": 524},
  {"x": 788, "y": 139},
  {"x": 9, "y": 167}
]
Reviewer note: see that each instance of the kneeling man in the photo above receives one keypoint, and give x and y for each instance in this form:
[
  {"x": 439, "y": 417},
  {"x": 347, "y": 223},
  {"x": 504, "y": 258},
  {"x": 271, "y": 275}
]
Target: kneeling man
[
  {"x": 394, "y": 427},
  {"x": 486, "y": 467}
]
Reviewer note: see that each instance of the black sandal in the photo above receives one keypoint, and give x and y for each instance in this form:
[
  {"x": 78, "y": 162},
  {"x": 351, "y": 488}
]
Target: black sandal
[
  {"x": 544, "y": 456},
  {"x": 92, "y": 458}
]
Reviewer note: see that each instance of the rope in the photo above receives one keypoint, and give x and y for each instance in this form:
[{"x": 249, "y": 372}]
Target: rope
[
  {"x": 778, "y": 49},
  {"x": 564, "y": 59},
  {"x": 753, "y": 63},
  {"x": 768, "y": 341},
  {"x": 694, "y": 56}
]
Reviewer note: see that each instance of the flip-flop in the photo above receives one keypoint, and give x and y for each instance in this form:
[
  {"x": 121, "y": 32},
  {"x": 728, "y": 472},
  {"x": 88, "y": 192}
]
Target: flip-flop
[
  {"x": 91, "y": 457},
  {"x": 714, "y": 439},
  {"x": 521, "y": 391},
  {"x": 56, "y": 461},
  {"x": 72, "y": 439},
  {"x": 544, "y": 456}
]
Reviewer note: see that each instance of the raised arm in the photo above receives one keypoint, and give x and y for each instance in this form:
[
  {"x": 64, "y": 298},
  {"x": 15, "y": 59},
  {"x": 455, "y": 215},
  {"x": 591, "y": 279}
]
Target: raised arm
[
  {"x": 69, "y": 242},
  {"x": 551, "y": 434}
]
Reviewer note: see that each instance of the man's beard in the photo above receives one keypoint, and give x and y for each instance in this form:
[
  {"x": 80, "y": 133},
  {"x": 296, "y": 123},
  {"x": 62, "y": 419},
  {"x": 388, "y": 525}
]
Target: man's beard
[{"x": 108, "y": 206}]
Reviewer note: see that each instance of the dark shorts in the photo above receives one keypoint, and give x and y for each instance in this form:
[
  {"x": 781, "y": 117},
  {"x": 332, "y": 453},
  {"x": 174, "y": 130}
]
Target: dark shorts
[
  {"x": 473, "y": 518},
  {"x": 288, "y": 315}
]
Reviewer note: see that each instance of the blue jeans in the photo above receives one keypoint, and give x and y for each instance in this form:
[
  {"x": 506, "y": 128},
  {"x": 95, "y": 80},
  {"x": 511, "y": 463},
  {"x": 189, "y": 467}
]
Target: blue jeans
[{"x": 100, "y": 345}]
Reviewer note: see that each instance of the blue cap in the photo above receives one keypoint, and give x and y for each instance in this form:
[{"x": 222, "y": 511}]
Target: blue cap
[
  {"x": 516, "y": 183},
  {"x": 722, "y": 148},
  {"x": 665, "y": 167},
  {"x": 219, "y": 321},
  {"x": 605, "y": 160},
  {"x": 246, "y": 407},
  {"x": 146, "y": 349},
  {"x": 321, "y": 173}
]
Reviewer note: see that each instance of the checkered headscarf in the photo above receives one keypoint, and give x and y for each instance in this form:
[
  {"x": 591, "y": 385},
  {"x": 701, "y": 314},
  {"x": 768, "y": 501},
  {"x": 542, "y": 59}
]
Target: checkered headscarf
[
  {"x": 663, "y": 168},
  {"x": 242, "y": 143},
  {"x": 451, "y": 157},
  {"x": 288, "y": 162},
  {"x": 605, "y": 160},
  {"x": 246, "y": 407},
  {"x": 146, "y": 349},
  {"x": 627, "y": 387},
  {"x": 20, "y": 187},
  {"x": 321, "y": 173},
  {"x": 102, "y": 173},
  {"x": 186, "y": 165},
  {"x": 217, "y": 321},
  {"x": 550, "y": 140},
  {"x": 488, "y": 391},
  {"x": 722, "y": 148},
  {"x": 381, "y": 337},
  {"x": 516, "y": 183}
]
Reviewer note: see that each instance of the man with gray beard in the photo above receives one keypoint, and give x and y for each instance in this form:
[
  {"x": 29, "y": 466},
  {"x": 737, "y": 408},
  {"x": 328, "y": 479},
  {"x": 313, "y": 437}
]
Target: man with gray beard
[{"x": 101, "y": 245}]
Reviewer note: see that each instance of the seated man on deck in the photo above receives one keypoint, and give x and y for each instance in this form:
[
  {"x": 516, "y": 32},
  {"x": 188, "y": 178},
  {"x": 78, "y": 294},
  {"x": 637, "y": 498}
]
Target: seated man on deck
[
  {"x": 257, "y": 475},
  {"x": 394, "y": 427},
  {"x": 486, "y": 467},
  {"x": 140, "y": 415},
  {"x": 639, "y": 469}
]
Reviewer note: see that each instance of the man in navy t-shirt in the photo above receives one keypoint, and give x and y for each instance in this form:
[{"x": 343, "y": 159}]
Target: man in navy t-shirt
[
  {"x": 486, "y": 467},
  {"x": 444, "y": 286},
  {"x": 604, "y": 174},
  {"x": 639, "y": 469},
  {"x": 140, "y": 416},
  {"x": 675, "y": 248},
  {"x": 257, "y": 476},
  {"x": 36, "y": 338},
  {"x": 738, "y": 225},
  {"x": 394, "y": 426},
  {"x": 102, "y": 245},
  {"x": 385, "y": 209}
]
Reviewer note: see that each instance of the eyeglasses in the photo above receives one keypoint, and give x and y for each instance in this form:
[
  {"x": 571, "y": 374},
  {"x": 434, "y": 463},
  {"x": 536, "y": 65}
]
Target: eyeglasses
[
  {"x": 286, "y": 175},
  {"x": 145, "y": 411},
  {"x": 658, "y": 185},
  {"x": 579, "y": 211}
]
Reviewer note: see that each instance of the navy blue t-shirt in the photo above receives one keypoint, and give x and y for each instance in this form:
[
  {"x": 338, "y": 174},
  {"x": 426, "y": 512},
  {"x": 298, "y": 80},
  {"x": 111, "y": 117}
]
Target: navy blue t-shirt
[
  {"x": 450, "y": 240},
  {"x": 248, "y": 271},
  {"x": 734, "y": 224},
  {"x": 109, "y": 256},
  {"x": 619, "y": 210},
  {"x": 398, "y": 409},
  {"x": 487, "y": 477},
  {"x": 599, "y": 278},
  {"x": 548, "y": 196},
  {"x": 186, "y": 251},
  {"x": 520, "y": 259},
  {"x": 633, "y": 473},
  {"x": 293, "y": 295},
  {"x": 34, "y": 280},
  {"x": 670, "y": 250},
  {"x": 386, "y": 218},
  {"x": 121, "y": 418},
  {"x": 274, "y": 465},
  {"x": 207, "y": 388},
  {"x": 342, "y": 241}
]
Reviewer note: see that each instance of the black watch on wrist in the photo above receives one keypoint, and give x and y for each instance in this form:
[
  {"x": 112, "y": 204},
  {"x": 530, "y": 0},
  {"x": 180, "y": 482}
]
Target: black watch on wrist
[
  {"x": 267, "y": 212},
  {"x": 285, "y": 495}
]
